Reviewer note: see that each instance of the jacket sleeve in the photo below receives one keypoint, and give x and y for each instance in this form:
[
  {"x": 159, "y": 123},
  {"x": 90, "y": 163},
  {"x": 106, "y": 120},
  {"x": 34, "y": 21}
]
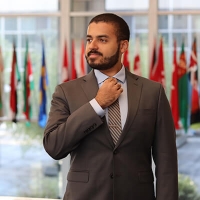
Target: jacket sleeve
[
  {"x": 165, "y": 152},
  {"x": 64, "y": 130}
]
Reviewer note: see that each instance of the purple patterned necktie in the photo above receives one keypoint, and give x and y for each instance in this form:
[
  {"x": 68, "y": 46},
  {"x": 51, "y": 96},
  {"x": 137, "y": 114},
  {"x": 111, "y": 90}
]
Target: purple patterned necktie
[{"x": 114, "y": 121}]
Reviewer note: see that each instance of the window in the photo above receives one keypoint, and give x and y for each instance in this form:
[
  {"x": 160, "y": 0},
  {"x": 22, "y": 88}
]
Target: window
[
  {"x": 178, "y": 5},
  {"x": 109, "y": 5},
  {"x": 183, "y": 29},
  {"x": 28, "y": 5},
  {"x": 127, "y": 5},
  {"x": 34, "y": 29}
]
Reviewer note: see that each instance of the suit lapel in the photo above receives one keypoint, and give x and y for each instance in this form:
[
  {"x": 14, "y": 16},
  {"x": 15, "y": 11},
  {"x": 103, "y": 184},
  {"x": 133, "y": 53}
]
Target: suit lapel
[
  {"x": 133, "y": 94},
  {"x": 90, "y": 85}
]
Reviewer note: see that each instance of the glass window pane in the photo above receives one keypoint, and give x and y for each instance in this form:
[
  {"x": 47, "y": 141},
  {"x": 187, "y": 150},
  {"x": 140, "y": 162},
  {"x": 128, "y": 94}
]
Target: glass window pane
[
  {"x": 180, "y": 21},
  {"x": 9, "y": 39},
  {"x": 10, "y": 24},
  {"x": 31, "y": 40},
  {"x": 28, "y": 24},
  {"x": 28, "y": 6},
  {"x": 41, "y": 23},
  {"x": 94, "y": 5},
  {"x": 141, "y": 22},
  {"x": 127, "y": 5},
  {"x": 195, "y": 22},
  {"x": 178, "y": 5},
  {"x": 163, "y": 22},
  {"x": 109, "y": 5},
  {"x": 78, "y": 24},
  {"x": 180, "y": 38}
]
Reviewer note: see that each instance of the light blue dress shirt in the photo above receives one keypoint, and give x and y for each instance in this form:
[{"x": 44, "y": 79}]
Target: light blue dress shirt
[{"x": 123, "y": 101}]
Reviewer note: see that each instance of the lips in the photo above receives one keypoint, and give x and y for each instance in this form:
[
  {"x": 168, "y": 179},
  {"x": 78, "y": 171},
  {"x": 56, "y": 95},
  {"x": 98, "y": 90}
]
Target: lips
[{"x": 93, "y": 55}]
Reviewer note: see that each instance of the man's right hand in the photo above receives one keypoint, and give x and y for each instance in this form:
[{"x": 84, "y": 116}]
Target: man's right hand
[{"x": 109, "y": 92}]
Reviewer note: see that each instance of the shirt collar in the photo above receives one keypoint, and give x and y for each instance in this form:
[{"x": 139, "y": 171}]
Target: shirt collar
[{"x": 102, "y": 77}]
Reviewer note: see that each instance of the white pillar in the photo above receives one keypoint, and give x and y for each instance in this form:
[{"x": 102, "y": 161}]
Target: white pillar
[
  {"x": 64, "y": 36},
  {"x": 65, "y": 30}
]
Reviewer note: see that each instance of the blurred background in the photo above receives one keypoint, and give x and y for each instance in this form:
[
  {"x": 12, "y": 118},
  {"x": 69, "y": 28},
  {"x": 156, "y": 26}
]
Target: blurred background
[{"x": 42, "y": 44}]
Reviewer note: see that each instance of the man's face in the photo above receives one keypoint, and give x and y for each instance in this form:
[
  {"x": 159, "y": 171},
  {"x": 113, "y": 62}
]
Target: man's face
[{"x": 102, "y": 48}]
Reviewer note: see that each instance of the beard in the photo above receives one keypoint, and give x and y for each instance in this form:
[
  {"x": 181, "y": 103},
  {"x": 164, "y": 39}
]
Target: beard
[{"x": 105, "y": 63}]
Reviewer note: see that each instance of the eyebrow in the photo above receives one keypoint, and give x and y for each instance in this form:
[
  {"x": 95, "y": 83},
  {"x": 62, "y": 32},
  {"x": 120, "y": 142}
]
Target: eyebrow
[{"x": 99, "y": 36}]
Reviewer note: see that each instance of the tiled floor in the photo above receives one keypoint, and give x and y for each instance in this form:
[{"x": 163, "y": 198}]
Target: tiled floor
[{"x": 23, "y": 164}]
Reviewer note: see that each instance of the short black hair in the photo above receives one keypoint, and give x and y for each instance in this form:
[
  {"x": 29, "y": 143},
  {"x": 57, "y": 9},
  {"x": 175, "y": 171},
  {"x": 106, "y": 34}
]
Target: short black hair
[{"x": 122, "y": 29}]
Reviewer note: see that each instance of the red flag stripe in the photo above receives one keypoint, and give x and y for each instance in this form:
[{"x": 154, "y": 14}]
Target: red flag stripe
[
  {"x": 126, "y": 60},
  {"x": 65, "y": 69},
  {"x": 73, "y": 69},
  {"x": 174, "y": 90}
]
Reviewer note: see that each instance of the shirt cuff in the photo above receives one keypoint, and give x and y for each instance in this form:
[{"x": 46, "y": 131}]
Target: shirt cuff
[{"x": 97, "y": 108}]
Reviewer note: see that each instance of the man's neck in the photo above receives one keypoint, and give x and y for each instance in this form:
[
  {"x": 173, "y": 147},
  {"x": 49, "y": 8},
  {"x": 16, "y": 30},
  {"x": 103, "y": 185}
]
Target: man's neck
[{"x": 112, "y": 71}]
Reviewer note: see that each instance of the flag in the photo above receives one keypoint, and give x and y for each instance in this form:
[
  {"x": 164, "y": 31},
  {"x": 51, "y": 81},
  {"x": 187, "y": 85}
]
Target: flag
[
  {"x": 82, "y": 60},
  {"x": 174, "y": 90},
  {"x": 136, "y": 66},
  {"x": 65, "y": 67},
  {"x": 153, "y": 63},
  {"x": 158, "y": 73},
  {"x": 73, "y": 68},
  {"x": 1, "y": 83},
  {"x": 28, "y": 85},
  {"x": 183, "y": 89},
  {"x": 126, "y": 60},
  {"x": 193, "y": 76},
  {"x": 14, "y": 79},
  {"x": 42, "y": 118}
]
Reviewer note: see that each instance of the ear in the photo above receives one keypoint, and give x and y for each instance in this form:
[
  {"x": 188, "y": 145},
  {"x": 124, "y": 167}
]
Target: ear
[{"x": 124, "y": 46}]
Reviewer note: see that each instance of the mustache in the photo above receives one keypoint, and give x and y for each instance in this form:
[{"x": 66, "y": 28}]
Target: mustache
[{"x": 95, "y": 52}]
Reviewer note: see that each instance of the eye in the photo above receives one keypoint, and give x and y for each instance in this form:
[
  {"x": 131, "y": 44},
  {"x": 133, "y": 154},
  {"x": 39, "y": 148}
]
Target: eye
[
  {"x": 88, "y": 40},
  {"x": 103, "y": 40}
]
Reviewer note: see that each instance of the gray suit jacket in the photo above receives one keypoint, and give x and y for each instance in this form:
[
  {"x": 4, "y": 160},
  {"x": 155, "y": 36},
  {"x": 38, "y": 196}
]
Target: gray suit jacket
[{"x": 100, "y": 170}]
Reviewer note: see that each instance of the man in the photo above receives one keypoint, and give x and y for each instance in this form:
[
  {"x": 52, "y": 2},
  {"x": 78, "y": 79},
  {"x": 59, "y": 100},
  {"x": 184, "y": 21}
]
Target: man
[{"x": 105, "y": 166}]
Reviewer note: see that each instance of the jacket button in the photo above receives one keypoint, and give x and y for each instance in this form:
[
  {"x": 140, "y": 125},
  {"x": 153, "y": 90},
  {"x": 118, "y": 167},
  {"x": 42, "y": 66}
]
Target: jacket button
[
  {"x": 115, "y": 152},
  {"x": 111, "y": 176}
]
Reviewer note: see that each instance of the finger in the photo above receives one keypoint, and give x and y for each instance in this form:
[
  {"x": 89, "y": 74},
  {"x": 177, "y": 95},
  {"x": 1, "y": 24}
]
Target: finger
[
  {"x": 120, "y": 89},
  {"x": 118, "y": 86},
  {"x": 114, "y": 80}
]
